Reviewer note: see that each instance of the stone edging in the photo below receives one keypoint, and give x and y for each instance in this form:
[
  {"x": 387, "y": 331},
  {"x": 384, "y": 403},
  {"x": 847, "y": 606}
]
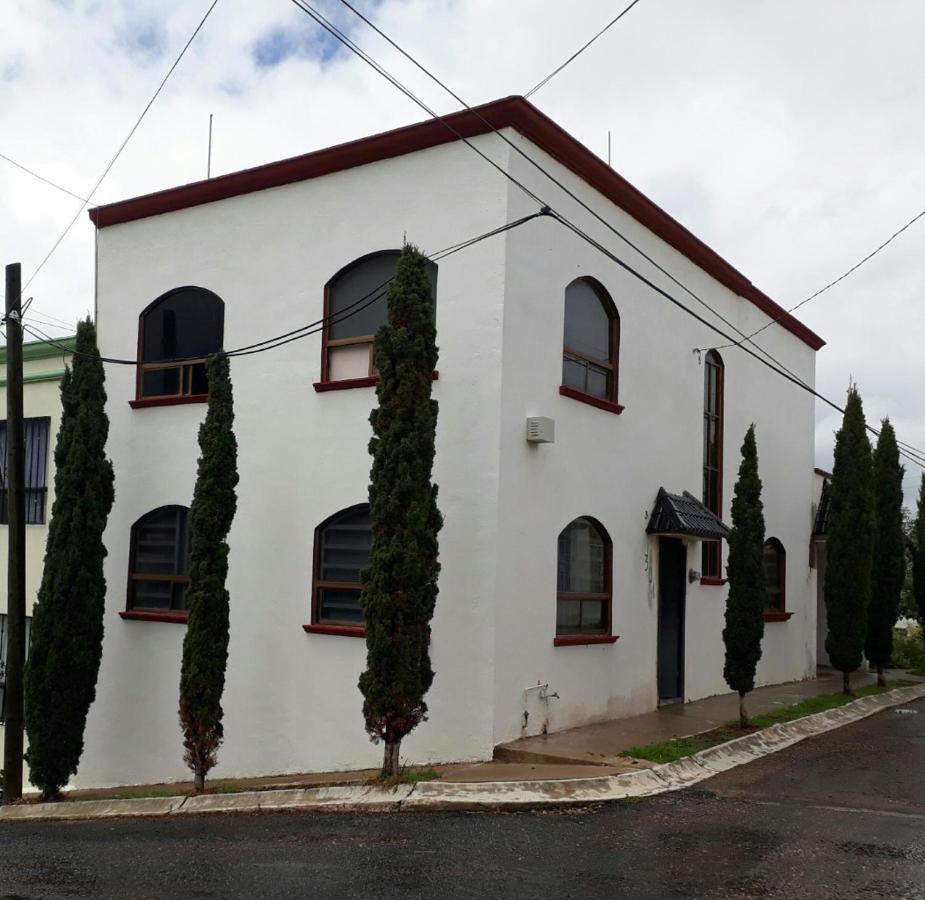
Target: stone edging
[{"x": 439, "y": 795}]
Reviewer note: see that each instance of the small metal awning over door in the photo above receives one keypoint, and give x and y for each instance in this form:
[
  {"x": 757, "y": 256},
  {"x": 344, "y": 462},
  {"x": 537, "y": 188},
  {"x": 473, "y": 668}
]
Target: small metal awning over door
[{"x": 684, "y": 516}]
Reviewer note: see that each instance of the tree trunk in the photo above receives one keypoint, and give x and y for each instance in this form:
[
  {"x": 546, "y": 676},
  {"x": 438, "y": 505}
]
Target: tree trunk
[
  {"x": 199, "y": 782},
  {"x": 881, "y": 678},
  {"x": 743, "y": 715},
  {"x": 846, "y": 683},
  {"x": 390, "y": 759}
]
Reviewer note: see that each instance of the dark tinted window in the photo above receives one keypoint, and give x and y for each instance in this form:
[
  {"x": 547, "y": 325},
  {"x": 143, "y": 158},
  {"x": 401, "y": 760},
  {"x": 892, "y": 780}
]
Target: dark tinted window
[
  {"x": 184, "y": 323},
  {"x": 36, "y": 433},
  {"x": 159, "y": 575},
  {"x": 342, "y": 553},
  {"x": 587, "y": 322},
  {"x": 583, "y": 588}
]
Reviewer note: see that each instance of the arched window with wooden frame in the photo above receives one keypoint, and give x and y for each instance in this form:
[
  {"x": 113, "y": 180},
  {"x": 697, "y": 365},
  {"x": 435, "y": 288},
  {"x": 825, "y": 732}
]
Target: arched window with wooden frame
[
  {"x": 355, "y": 308},
  {"x": 158, "y": 577},
  {"x": 713, "y": 391},
  {"x": 591, "y": 345},
  {"x": 343, "y": 543},
  {"x": 775, "y": 574},
  {"x": 584, "y": 588},
  {"x": 175, "y": 335}
]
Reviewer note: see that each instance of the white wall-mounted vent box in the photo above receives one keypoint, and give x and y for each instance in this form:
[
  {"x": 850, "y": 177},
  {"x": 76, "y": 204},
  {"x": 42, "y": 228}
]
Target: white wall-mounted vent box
[{"x": 541, "y": 430}]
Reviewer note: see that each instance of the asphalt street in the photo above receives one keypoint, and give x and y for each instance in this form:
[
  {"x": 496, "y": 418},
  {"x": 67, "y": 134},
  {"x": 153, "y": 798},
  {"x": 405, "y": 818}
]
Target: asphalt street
[{"x": 837, "y": 816}]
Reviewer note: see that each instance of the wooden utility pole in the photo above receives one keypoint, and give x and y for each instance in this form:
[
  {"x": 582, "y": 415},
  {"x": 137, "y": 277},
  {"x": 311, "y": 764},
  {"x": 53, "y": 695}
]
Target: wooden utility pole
[{"x": 16, "y": 511}]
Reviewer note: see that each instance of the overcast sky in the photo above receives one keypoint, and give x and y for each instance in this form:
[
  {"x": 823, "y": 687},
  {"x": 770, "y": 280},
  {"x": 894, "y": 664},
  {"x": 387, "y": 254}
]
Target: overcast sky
[{"x": 787, "y": 134}]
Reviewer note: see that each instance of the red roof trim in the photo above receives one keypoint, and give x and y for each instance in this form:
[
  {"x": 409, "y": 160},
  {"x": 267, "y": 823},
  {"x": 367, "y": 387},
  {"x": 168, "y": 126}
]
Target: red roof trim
[{"x": 514, "y": 112}]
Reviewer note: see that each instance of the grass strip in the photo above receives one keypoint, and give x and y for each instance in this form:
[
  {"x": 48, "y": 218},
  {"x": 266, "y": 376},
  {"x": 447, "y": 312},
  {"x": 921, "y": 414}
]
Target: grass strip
[{"x": 678, "y": 748}]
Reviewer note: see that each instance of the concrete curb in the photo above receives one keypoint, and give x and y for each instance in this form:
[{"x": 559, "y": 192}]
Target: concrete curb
[{"x": 439, "y": 795}]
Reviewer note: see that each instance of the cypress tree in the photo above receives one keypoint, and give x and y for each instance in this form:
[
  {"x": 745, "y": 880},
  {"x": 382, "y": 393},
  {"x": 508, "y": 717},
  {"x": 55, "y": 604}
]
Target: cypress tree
[
  {"x": 67, "y": 624},
  {"x": 918, "y": 558},
  {"x": 205, "y": 647},
  {"x": 850, "y": 543},
  {"x": 889, "y": 552},
  {"x": 400, "y": 585},
  {"x": 747, "y": 597}
]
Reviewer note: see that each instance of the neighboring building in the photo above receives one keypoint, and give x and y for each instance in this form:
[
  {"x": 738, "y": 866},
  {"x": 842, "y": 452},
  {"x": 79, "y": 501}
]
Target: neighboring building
[
  {"x": 546, "y": 558},
  {"x": 43, "y": 368}
]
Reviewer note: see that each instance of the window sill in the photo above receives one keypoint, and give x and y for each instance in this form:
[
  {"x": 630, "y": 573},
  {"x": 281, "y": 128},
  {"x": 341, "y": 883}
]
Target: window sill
[
  {"x": 775, "y": 615},
  {"x": 347, "y": 384},
  {"x": 139, "y": 615},
  {"x": 144, "y": 402},
  {"x": 582, "y": 397},
  {"x": 342, "y": 630},
  {"x": 572, "y": 640},
  {"x": 710, "y": 581}
]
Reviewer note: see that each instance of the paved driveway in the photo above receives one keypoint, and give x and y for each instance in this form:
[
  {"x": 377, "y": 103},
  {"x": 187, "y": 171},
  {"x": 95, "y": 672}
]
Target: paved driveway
[{"x": 838, "y": 816}]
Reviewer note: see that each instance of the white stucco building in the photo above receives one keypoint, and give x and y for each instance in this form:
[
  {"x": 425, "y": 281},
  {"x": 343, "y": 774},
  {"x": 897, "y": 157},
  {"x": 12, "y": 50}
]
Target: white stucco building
[{"x": 549, "y": 577}]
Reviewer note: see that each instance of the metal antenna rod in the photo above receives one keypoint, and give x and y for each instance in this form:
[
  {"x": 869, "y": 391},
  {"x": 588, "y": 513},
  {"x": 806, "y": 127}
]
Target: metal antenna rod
[{"x": 209, "y": 160}]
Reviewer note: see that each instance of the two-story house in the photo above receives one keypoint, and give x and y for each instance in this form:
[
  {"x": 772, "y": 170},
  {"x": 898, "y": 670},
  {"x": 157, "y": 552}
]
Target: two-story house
[{"x": 582, "y": 578}]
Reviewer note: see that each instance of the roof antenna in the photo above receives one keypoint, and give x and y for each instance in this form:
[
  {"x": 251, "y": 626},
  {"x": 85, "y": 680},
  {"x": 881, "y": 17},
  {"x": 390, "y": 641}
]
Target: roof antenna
[
  {"x": 608, "y": 148},
  {"x": 209, "y": 158}
]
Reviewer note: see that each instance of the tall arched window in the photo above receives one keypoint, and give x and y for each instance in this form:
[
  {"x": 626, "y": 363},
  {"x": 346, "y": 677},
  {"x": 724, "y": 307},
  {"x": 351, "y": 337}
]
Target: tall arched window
[
  {"x": 159, "y": 561},
  {"x": 184, "y": 324},
  {"x": 342, "y": 548},
  {"x": 775, "y": 573},
  {"x": 584, "y": 587},
  {"x": 591, "y": 345},
  {"x": 355, "y": 308},
  {"x": 711, "y": 564}
]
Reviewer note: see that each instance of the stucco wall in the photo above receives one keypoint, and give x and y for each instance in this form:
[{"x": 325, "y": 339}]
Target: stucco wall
[
  {"x": 611, "y": 466},
  {"x": 291, "y": 701}
]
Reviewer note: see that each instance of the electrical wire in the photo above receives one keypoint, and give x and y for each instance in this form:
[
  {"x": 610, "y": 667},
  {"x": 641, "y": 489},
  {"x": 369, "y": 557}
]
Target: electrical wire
[
  {"x": 831, "y": 284},
  {"x": 47, "y": 181},
  {"x": 128, "y": 137},
  {"x": 579, "y": 51}
]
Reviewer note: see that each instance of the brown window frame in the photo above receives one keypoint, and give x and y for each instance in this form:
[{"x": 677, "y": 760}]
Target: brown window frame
[
  {"x": 780, "y": 605},
  {"x": 605, "y": 635},
  {"x": 185, "y": 391},
  {"x": 328, "y": 626},
  {"x": 612, "y": 363},
  {"x": 168, "y": 615},
  {"x": 711, "y": 564}
]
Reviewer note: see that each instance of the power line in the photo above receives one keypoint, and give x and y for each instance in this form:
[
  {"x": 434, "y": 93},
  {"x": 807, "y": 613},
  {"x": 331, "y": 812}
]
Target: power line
[
  {"x": 47, "y": 181},
  {"x": 128, "y": 137},
  {"x": 831, "y": 284},
  {"x": 579, "y": 51}
]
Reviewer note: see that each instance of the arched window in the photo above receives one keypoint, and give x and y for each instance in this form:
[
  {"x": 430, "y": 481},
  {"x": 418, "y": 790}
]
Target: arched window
[
  {"x": 775, "y": 573},
  {"x": 342, "y": 548},
  {"x": 591, "y": 345},
  {"x": 159, "y": 561},
  {"x": 183, "y": 324},
  {"x": 584, "y": 579},
  {"x": 355, "y": 308},
  {"x": 711, "y": 564}
]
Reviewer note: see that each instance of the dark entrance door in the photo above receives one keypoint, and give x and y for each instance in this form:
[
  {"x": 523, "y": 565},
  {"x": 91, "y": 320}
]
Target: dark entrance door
[{"x": 672, "y": 570}]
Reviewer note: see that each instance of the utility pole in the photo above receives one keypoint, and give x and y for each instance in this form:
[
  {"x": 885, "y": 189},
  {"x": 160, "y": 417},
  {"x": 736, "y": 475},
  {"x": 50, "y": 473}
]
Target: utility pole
[{"x": 16, "y": 511}]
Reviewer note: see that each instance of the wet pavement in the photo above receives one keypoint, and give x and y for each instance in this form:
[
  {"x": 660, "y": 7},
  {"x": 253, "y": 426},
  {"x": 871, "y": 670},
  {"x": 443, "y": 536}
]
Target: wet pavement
[{"x": 837, "y": 816}]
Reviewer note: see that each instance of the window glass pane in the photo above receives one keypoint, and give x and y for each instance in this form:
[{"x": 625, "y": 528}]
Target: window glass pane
[
  {"x": 161, "y": 383},
  {"x": 345, "y": 547},
  {"x": 335, "y": 605},
  {"x": 186, "y": 323},
  {"x": 592, "y": 616},
  {"x": 587, "y": 324},
  {"x": 568, "y": 617},
  {"x": 350, "y": 361},
  {"x": 581, "y": 559},
  {"x": 598, "y": 382},
  {"x": 199, "y": 384},
  {"x": 574, "y": 373},
  {"x": 179, "y": 597},
  {"x": 712, "y": 559},
  {"x": 156, "y": 544},
  {"x": 152, "y": 595}
]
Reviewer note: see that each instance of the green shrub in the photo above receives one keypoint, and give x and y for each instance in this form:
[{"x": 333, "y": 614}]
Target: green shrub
[{"x": 908, "y": 649}]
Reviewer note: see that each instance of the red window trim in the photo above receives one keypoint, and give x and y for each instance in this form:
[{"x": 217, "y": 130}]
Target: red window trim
[
  {"x": 349, "y": 383},
  {"x": 342, "y": 630},
  {"x": 145, "y": 402},
  {"x": 141, "y": 615},
  {"x": 591, "y": 400},
  {"x": 710, "y": 581},
  {"x": 776, "y": 615},
  {"x": 572, "y": 640}
]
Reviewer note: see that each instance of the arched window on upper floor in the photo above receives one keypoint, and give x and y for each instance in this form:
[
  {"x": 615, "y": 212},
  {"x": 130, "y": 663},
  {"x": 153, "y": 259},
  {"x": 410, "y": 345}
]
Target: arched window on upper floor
[
  {"x": 159, "y": 564},
  {"x": 713, "y": 390},
  {"x": 591, "y": 345},
  {"x": 175, "y": 335},
  {"x": 355, "y": 308}
]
